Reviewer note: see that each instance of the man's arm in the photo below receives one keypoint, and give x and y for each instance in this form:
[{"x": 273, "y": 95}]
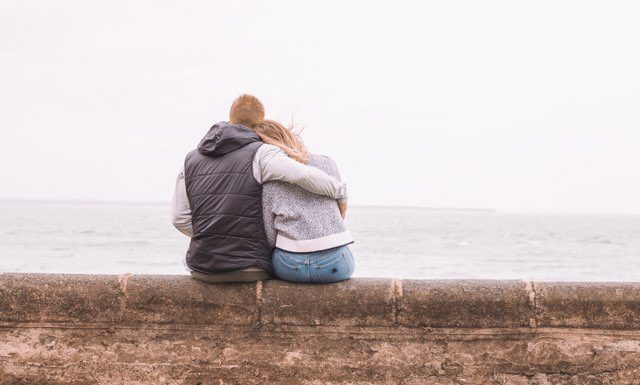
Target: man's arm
[
  {"x": 332, "y": 169},
  {"x": 271, "y": 163},
  {"x": 180, "y": 210}
]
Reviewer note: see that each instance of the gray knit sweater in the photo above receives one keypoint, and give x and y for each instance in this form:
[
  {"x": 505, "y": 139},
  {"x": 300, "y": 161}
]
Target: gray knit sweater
[{"x": 299, "y": 221}]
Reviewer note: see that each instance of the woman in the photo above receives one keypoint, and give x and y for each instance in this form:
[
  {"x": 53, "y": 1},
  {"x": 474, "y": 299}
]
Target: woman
[{"x": 307, "y": 230}]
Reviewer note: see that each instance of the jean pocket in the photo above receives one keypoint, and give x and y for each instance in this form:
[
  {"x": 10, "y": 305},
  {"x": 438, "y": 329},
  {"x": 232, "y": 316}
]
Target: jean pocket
[
  {"x": 335, "y": 271},
  {"x": 330, "y": 260},
  {"x": 281, "y": 258},
  {"x": 285, "y": 271}
]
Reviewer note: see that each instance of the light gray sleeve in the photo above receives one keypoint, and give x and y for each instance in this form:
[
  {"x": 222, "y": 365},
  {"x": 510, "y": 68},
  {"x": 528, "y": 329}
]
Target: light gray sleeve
[
  {"x": 180, "y": 208},
  {"x": 274, "y": 164}
]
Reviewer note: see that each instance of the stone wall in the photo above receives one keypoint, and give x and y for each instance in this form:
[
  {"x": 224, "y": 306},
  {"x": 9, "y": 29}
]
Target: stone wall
[{"x": 130, "y": 329}]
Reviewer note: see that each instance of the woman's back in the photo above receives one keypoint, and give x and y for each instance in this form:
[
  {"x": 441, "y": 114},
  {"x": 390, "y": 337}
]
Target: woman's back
[{"x": 299, "y": 221}]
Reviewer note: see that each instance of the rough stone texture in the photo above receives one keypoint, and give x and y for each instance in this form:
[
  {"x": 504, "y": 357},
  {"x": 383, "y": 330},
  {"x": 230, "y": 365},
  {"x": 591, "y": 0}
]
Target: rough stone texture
[
  {"x": 176, "y": 300},
  {"x": 59, "y": 298},
  {"x": 363, "y": 302},
  {"x": 175, "y": 330},
  {"x": 466, "y": 304},
  {"x": 588, "y": 305}
]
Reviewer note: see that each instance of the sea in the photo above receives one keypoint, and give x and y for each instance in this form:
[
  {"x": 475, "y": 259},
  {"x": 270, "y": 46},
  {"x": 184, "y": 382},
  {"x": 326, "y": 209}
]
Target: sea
[{"x": 409, "y": 243}]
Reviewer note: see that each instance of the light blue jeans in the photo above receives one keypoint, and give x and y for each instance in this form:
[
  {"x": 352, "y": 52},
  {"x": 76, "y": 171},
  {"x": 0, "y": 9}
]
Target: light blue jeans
[{"x": 324, "y": 266}]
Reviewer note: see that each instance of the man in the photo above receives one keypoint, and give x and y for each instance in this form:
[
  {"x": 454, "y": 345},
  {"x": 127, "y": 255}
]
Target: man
[{"x": 218, "y": 196}]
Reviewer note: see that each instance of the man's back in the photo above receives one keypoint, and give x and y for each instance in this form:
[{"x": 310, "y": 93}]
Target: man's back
[{"x": 226, "y": 203}]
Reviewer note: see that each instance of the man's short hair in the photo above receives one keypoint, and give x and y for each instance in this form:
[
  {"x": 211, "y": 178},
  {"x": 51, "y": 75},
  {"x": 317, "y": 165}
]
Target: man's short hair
[{"x": 246, "y": 110}]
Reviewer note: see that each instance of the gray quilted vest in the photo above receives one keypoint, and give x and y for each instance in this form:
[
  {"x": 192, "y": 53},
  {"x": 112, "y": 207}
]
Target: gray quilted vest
[{"x": 226, "y": 202}]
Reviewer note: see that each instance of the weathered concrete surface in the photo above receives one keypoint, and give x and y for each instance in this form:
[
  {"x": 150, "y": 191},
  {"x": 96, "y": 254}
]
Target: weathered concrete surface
[{"x": 85, "y": 329}]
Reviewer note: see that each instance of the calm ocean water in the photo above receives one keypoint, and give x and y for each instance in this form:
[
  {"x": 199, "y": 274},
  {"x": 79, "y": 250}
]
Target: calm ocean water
[{"x": 114, "y": 238}]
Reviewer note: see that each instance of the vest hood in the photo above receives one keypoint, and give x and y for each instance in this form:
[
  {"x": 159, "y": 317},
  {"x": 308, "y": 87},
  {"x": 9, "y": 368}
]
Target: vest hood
[{"x": 223, "y": 138}]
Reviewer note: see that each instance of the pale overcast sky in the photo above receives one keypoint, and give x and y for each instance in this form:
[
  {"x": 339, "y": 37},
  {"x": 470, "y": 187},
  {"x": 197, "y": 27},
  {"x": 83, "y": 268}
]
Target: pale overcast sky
[{"x": 512, "y": 105}]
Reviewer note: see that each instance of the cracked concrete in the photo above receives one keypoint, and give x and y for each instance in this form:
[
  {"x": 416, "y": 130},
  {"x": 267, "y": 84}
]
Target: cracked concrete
[
  {"x": 122, "y": 284},
  {"x": 531, "y": 292},
  {"x": 396, "y": 292}
]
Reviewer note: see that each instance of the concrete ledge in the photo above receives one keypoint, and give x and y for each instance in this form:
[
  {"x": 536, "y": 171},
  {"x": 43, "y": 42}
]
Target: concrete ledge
[
  {"x": 59, "y": 298},
  {"x": 355, "y": 302},
  {"x": 465, "y": 304},
  {"x": 183, "y": 300},
  {"x": 130, "y": 329},
  {"x": 149, "y": 299},
  {"x": 588, "y": 305}
]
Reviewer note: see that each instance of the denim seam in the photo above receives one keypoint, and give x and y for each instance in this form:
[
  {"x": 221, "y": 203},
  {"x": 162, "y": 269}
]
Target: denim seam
[{"x": 281, "y": 259}]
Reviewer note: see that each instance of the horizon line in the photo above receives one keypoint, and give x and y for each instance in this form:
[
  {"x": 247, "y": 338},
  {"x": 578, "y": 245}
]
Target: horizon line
[
  {"x": 364, "y": 205},
  {"x": 134, "y": 202}
]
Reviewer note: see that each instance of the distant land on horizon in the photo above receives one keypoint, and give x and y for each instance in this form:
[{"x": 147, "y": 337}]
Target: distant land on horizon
[{"x": 427, "y": 208}]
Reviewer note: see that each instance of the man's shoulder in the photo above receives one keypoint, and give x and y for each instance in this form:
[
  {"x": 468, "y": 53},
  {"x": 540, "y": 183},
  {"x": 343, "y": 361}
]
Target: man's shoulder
[
  {"x": 191, "y": 157},
  {"x": 265, "y": 147},
  {"x": 267, "y": 151},
  {"x": 191, "y": 153}
]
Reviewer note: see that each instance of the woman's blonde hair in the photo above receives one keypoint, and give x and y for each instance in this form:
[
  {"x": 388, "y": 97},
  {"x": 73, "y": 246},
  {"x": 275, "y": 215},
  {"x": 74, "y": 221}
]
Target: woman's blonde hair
[{"x": 272, "y": 132}]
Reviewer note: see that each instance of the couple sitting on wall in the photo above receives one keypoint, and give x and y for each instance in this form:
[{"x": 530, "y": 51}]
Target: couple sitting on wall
[{"x": 256, "y": 204}]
